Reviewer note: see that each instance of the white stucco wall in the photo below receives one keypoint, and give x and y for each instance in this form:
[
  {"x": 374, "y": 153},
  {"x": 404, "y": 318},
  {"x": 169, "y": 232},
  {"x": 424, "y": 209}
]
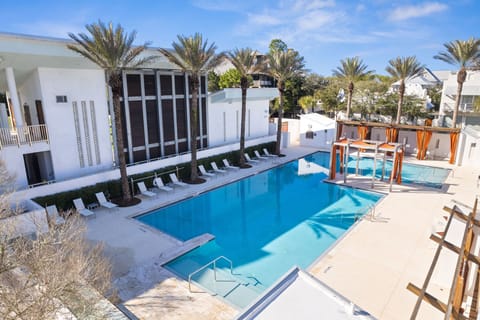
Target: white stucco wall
[
  {"x": 77, "y": 85},
  {"x": 224, "y": 121},
  {"x": 469, "y": 147},
  {"x": 323, "y": 132}
]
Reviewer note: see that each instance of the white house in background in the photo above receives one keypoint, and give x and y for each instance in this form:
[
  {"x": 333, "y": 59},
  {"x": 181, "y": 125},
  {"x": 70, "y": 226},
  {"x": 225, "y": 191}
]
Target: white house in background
[
  {"x": 55, "y": 122},
  {"x": 470, "y": 93},
  {"x": 417, "y": 86},
  {"x": 317, "y": 131}
]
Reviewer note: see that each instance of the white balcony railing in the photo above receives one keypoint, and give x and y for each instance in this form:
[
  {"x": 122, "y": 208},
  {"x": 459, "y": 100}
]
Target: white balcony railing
[{"x": 23, "y": 135}]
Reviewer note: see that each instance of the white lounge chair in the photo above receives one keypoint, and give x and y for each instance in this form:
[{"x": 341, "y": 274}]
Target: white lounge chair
[
  {"x": 102, "y": 201},
  {"x": 268, "y": 154},
  {"x": 216, "y": 169},
  {"x": 158, "y": 182},
  {"x": 143, "y": 190},
  {"x": 204, "y": 172},
  {"x": 53, "y": 215},
  {"x": 250, "y": 160},
  {"x": 177, "y": 182},
  {"x": 78, "y": 203},
  {"x": 259, "y": 156},
  {"x": 228, "y": 166}
]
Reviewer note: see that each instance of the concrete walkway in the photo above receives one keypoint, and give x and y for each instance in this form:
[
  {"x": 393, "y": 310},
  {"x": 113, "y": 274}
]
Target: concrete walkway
[{"x": 374, "y": 263}]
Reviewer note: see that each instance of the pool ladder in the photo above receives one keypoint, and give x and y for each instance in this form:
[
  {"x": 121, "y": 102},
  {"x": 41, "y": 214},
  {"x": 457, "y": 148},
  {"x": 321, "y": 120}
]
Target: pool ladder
[{"x": 214, "y": 263}]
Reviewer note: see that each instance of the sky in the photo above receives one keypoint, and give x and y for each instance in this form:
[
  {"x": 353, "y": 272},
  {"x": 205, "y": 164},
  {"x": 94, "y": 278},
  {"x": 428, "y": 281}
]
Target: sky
[{"x": 323, "y": 31}]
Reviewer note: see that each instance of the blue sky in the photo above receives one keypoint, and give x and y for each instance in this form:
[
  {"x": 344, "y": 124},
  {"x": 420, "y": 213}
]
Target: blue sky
[{"x": 323, "y": 31}]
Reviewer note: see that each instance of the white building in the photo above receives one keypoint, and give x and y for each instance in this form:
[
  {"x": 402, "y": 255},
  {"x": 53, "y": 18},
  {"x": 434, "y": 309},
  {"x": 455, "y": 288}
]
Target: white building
[
  {"x": 317, "y": 131},
  {"x": 470, "y": 93},
  {"x": 417, "y": 86},
  {"x": 55, "y": 120}
]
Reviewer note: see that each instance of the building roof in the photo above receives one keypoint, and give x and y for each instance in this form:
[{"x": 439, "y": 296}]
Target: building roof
[
  {"x": 25, "y": 53},
  {"x": 425, "y": 79},
  {"x": 298, "y": 295}
]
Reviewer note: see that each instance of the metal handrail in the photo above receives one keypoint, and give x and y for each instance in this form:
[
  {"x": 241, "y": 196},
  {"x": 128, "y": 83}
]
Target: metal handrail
[{"x": 214, "y": 262}]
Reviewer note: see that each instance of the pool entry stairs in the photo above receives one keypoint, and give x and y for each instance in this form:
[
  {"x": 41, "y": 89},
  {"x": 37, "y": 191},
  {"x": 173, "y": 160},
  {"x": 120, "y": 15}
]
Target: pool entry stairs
[{"x": 219, "y": 278}]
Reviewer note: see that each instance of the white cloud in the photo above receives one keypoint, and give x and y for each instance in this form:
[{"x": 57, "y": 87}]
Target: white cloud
[
  {"x": 314, "y": 20},
  {"x": 264, "y": 19},
  {"x": 416, "y": 11}
]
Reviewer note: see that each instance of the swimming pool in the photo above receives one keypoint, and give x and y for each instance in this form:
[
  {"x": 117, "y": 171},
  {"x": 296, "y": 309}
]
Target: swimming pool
[
  {"x": 264, "y": 224},
  {"x": 432, "y": 177}
]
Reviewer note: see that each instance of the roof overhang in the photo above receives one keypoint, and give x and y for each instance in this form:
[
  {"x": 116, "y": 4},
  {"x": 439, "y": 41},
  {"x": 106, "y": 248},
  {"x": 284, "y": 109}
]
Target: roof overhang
[
  {"x": 25, "y": 54},
  {"x": 467, "y": 90}
]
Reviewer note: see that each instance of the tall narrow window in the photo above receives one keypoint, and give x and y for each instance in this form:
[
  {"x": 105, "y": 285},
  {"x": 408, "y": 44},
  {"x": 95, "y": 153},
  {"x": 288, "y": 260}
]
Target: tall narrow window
[{"x": 224, "y": 127}]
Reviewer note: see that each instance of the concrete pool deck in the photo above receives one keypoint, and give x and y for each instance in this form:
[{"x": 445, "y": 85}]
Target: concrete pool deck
[{"x": 370, "y": 266}]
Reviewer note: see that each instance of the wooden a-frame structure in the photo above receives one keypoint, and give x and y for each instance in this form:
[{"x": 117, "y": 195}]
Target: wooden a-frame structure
[{"x": 453, "y": 308}]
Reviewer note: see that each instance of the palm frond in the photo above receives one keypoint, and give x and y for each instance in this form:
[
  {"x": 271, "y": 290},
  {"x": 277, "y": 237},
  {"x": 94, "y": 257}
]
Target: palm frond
[
  {"x": 402, "y": 68},
  {"x": 352, "y": 69},
  {"x": 461, "y": 53},
  {"x": 192, "y": 55},
  {"x": 111, "y": 48}
]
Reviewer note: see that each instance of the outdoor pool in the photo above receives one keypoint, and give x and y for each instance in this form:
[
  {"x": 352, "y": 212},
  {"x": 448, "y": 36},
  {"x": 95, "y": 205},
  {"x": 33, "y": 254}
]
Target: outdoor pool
[{"x": 264, "y": 225}]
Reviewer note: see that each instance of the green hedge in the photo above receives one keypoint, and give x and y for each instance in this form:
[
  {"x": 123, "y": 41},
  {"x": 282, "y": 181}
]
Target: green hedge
[{"x": 112, "y": 188}]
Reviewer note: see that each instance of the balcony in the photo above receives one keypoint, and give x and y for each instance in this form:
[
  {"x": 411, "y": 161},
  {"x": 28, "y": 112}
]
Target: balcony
[{"x": 23, "y": 135}]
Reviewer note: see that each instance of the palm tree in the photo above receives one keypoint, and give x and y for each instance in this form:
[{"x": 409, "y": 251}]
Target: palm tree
[
  {"x": 463, "y": 54},
  {"x": 194, "y": 57},
  {"x": 244, "y": 60},
  {"x": 402, "y": 68},
  {"x": 112, "y": 50},
  {"x": 352, "y": 70},
  {"x": 283, "y": 65}
]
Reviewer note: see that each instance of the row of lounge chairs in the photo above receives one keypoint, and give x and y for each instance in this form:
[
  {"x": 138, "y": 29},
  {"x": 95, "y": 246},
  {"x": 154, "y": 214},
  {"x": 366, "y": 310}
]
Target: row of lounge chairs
[{"x": 55, "y": 218}]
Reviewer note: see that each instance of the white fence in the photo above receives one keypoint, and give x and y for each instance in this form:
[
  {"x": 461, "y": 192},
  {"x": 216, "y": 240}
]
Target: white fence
[{"x": 23, "y": 135}]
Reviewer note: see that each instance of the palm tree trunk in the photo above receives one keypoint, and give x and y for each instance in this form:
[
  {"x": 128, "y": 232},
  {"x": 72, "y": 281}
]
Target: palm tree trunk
[
  {"x": 280, "y": 116},
  {"x": 401, "y": 92},
  {"x": 115, "y": 84},
  {"x": 194, "y": 84},
  {"x": 349, "y": 98},
  {"x": 244, "y": 86},
  {"x": 461, "y": 77}
]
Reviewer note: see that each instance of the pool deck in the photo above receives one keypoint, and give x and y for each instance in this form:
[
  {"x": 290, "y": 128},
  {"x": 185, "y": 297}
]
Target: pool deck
[{"x": 371, "y": 265}]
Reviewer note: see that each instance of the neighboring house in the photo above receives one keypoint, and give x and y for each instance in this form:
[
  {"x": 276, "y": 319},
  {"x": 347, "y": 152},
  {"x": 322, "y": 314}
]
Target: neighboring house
[
  {"x": 260, "y": 79},
  {"x": 417, "y": 86},
  {"x": 55, "y": 124},
  {"x": 470, "y": 94}
]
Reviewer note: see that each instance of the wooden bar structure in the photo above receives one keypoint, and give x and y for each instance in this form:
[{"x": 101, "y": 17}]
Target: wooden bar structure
[
  {"x": 371, "y": 149},
  {"x": 453, "y": 308},
  {"x": 424, "y": 133}
]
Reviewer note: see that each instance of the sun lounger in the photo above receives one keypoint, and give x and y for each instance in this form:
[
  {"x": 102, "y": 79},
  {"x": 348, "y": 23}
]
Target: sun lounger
[
  {"x": 102, "y": 201},
  {"x": 177, "y": 182},
  {"x": 216, "y": 169},
  {"x": 268, "y": 154},
  {"x": 78, "y": 203},
  {"x": 53, "y": 215},
  {"x": 250, "y": 160},
  {"x": 258, "y": 156},
  {"x": 204, "y": 172},
  {"x": 228, "y": 166},
  {"x": 158, "y": 182},
  {"x": 143, "y": 190}
]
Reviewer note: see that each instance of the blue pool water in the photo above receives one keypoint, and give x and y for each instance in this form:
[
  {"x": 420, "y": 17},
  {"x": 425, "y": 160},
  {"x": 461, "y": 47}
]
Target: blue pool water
[
  {"x": 423, "y": 175},
  {"x": 265, "y": 224}
]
